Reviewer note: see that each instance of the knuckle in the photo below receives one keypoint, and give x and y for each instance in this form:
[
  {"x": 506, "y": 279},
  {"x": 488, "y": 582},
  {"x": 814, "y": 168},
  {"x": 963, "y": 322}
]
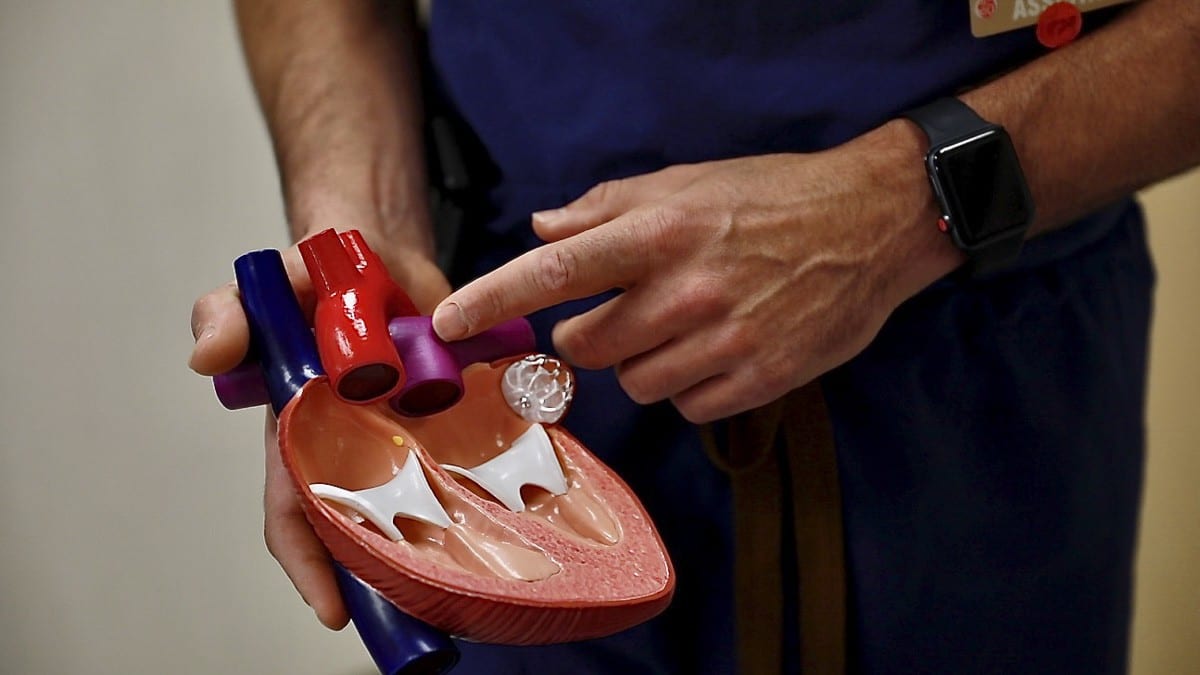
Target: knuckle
[
  {"x": 637, "y": 387},
  {"x": 557, "y": 269},
  {"x": 201, "y": 314},
  {"x": 202, "y": 306},
  {"x": 694, "y": 412},
  {"x": 661, "y": 231},
  {"x": 198, "y": 314},
  {"x": 675, "y": 172},
  {"x": 477, "y": 309},
  {"x": 478, "y": 304},
  {"x": 701, "y": 294},
  {"x": 759, "y": 377},
  {"x": 671, "y": 215},
  {"x": 274, "y": 522},
  {"x": 771, "y": 380},
  {"x": 582, "y": 348},
  {"x": 641, "y": 397},
  {"x": 207, "y": 307},
  {"x": 735, "y": 342},
  {"x": 270, "y": 538},
  {"x": 665, "y": 226},
  {"x": 603, "y": 192}
]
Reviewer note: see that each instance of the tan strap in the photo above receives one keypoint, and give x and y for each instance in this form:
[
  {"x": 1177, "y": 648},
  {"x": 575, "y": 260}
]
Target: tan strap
[
  {"x": 817, "y": 519},
  {"x": 757, "y": 473},
  {"x": 756, "y": 483}
]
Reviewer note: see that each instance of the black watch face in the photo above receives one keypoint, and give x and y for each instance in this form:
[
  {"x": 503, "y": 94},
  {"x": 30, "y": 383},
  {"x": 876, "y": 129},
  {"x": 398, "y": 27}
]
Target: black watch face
[{"x": 982, "y": 186}]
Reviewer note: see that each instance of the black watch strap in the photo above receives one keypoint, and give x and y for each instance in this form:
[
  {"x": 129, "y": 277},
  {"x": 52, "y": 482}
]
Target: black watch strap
[{"x": 947, "y": 120}]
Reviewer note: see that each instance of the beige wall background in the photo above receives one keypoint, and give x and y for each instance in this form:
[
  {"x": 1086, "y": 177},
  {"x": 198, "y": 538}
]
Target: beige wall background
[{"x": 133, "y": 169}]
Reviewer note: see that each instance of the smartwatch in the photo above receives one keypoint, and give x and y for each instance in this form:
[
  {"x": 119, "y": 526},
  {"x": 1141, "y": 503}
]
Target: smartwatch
[{"x": 977, "y": 181}]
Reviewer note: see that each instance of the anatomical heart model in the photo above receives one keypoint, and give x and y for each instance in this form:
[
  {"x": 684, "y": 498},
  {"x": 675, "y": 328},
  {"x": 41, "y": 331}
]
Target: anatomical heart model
[{"x": 437, "y": 473}]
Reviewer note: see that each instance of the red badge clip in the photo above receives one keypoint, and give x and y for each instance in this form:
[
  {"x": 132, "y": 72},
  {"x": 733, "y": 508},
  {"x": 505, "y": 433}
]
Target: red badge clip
[{"x": 1059, "y": 24}]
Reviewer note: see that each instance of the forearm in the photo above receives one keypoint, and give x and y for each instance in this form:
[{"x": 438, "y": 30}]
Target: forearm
[
  {"x": 1102, "y": 118},
  {"x": 1092, "y": 122},
  {"x": 338, "y": 85}
]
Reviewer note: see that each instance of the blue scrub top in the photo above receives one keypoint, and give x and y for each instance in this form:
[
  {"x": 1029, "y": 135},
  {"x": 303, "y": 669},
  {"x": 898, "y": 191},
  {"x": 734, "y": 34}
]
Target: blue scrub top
[{"x": 990, "y": 439}]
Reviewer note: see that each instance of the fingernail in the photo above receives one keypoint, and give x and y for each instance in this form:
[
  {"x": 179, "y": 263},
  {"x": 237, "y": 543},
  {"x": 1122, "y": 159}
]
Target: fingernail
[
  {"x": 205, "y": 334},
  {"x": 548, "y": 216},
  {"x": 192, "y": 360},
  {"x": 449, "y": 322}
]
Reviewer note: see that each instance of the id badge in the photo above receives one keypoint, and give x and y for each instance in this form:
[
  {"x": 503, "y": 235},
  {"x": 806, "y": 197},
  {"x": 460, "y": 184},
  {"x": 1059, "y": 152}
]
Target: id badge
[{"x": 991, "y": 17}]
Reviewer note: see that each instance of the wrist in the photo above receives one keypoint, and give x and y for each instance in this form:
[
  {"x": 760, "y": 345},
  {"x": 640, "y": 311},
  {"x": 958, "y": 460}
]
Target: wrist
[
  {"x": 404, "y": 244},
  {"x": 400, "y": 224},
  {"x": 918, "y": 252}
]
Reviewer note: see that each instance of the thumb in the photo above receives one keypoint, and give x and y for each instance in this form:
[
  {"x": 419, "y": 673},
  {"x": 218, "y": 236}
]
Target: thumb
[{"x": 220, "y": 329}]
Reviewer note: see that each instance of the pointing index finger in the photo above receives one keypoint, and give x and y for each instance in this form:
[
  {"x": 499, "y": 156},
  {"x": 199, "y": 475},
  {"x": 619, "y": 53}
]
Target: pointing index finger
[{"x": 592, "y": 262}]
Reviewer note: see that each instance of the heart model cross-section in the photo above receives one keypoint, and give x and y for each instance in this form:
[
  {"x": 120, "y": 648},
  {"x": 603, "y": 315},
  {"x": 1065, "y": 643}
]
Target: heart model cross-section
[{"x": 487, "y": 520}]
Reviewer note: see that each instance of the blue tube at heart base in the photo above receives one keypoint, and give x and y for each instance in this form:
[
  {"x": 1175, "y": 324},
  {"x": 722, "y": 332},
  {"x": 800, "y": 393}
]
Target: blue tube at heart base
[{"x": 287, "y": 351}]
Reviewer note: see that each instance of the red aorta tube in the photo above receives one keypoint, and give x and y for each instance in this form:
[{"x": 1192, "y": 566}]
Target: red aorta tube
[{"x": 355, "y": 300}]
